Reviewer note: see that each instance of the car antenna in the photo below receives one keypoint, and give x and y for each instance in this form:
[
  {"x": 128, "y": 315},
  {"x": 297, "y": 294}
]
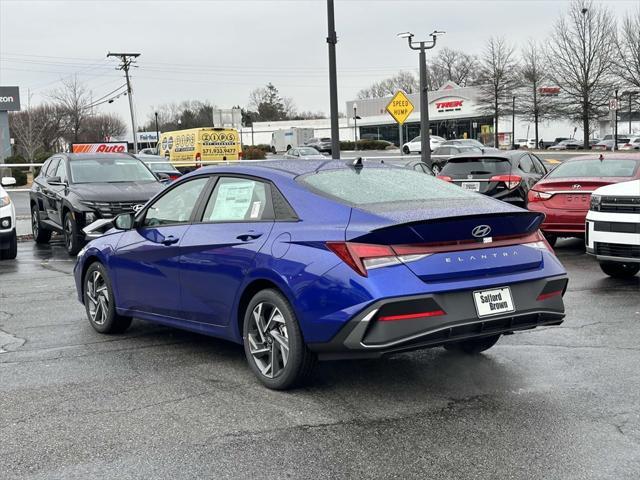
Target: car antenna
[
  {"x": 357, "y": 163},
  {"x": 601, "y": 157}
]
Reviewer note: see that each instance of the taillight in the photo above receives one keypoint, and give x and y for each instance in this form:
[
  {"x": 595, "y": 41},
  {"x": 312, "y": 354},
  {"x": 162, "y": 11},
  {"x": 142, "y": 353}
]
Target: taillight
[
  {"x": 411, "y": 316},
  {"x": 446, "y": 178},
  {"x": 536, "y": 196},
  {"x": 512, "y": 181},
  {"x": 173, "y": 177},
  {"x": 363, "y": 256},
  {"x": 544, "y": 296},
  {"x": 240, "y": 155},
  {"x": 540, "y": 243}
]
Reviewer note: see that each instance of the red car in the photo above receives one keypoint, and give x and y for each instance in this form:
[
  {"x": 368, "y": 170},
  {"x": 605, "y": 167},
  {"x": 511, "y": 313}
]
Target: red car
[{"x": 563, "y": 195}]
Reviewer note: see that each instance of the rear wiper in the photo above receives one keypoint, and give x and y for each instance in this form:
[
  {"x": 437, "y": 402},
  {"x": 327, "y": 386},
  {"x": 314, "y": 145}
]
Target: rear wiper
[{"x": 479, "y": 172}]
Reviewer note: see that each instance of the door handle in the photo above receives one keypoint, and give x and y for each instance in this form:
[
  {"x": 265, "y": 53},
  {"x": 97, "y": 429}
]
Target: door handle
[
  {"x": 170, "y": 240},
  {"x": 245, "y": 237}
]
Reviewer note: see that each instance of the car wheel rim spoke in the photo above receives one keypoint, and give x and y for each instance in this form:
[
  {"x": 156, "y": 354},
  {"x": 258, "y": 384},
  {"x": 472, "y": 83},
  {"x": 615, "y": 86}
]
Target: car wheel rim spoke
[
  {"x": 268, "y": 340},
  {"x": 98, "y": 295}
]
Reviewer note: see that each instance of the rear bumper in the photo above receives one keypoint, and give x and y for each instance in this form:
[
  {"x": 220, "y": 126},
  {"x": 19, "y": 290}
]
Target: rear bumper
[
  {"x": 561, "y": 221},
  {"x": 365, "y": 336}
]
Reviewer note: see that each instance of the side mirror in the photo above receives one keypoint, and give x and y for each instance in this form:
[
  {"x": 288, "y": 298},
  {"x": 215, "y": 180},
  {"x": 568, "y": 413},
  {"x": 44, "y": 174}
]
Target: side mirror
[
  {"x": 124, "y": 221},
  {"x": 55, "y": 181},
  {"x": 6, "y": 181},
  {"x": 163, "y": 177}
]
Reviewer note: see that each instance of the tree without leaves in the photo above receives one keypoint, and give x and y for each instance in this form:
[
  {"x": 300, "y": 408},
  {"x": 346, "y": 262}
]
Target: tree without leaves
[
  {"x": 498, "y": 79},
  {"x": 27, "y": 128},
  {"x": 530, "y": 103},
  {"x": 101, "y": 127},
  {"x": 73, "y": 98},
  {"x": 405, "y": 81},
  {"x": 628, "y": 46},
  {"x": 267, "y": 105},
  {"x": 179, "y": 116},
  {"x": 452, "y": 65},
  {"x": 580, "y": 52}
]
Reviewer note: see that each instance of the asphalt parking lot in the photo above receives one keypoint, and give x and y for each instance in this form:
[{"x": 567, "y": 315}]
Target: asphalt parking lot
[{"x": 554, "y": 403}]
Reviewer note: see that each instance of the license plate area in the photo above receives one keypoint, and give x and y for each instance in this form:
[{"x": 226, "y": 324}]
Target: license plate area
[
  {"x": 473, "y": 186},
  {"x": 494, "y": 301}
]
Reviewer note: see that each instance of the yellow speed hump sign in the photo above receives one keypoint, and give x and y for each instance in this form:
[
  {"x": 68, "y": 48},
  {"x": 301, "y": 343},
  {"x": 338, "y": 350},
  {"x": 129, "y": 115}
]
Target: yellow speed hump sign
[{"x": 400, "y": 107}]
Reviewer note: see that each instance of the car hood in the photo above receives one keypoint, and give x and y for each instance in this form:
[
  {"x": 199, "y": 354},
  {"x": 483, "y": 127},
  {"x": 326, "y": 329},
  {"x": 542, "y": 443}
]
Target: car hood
[
  {"x": 626, "y": 189},
  {"x": 117, "y": 192}
]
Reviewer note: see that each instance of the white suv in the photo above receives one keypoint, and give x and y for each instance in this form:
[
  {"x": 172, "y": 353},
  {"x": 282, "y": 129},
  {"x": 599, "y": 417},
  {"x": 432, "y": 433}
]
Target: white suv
[
  {"x": 414, "y": 146},
  {"x": 612, "y": 231},
  {"x": 8, "y": 238}
]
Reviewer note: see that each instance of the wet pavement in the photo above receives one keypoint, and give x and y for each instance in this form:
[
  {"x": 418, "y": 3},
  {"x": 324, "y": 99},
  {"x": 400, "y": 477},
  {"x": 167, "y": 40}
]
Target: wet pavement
[{"x": 553, "y": 403}]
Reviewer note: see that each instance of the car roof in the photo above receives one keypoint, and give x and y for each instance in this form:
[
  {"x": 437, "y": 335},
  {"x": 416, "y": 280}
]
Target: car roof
[
  {"x": 510, "y": 155},
  {"x": 287, "y": 168},
  {"x": 606, "y": 156},
  {"x": 92, "y": 156}
]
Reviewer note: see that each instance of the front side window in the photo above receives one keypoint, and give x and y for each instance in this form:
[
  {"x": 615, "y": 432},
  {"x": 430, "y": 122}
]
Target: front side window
[
  {"x": 61, "y": 171},
  {"x": 53, "y": 166},
  {"x": 237, "y": 200},
  {"x": 176, "y": 206}
]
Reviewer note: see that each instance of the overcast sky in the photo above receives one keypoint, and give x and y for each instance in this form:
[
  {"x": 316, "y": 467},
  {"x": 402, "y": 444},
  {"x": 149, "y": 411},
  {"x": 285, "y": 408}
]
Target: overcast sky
[{"x": 219, "y": 50}]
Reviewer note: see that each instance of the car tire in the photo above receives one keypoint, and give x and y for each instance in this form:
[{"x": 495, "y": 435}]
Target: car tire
[
  {"x": 40, "y": 234},
  {"x": 72, "y": 240},
  {"x": 271, "y": 332},
  {"x": 620, "y": 269},
  {"x": 406, "y": 150},
  {"x": 473, "y": 346},
  {"x": 12, "y": 251},
  {"x": 99, "y": 301},
  {"x": 550, "y": 238}
]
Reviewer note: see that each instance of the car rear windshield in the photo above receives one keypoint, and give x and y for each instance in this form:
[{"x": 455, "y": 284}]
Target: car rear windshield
[
  {"x": 160, "y": 166},
  {"x": 596, "y": 168},
  {"x": 373, "y": 185},
  {"x": 109, "y": 170},
  {"x": 325, "y": 139},
  {"x": 476, "y": 166}
]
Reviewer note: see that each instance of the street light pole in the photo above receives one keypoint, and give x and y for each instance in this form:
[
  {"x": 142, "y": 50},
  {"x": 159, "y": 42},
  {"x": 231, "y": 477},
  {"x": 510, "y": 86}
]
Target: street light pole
[
  {"x": 423, "y": 46},
  {"x": 157, "y": 132},
  {"x": 332, "y": 39},
  {"x": 355, "y": 125},
  {"x": 513, "y": 123},
  {"x": 615, "y": 134}
]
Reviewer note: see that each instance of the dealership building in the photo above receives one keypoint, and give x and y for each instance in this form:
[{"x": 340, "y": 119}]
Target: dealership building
[{"x": 454, "y": 112}]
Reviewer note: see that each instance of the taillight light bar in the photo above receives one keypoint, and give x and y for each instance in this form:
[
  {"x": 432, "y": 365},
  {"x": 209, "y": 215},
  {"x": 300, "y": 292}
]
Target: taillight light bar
[
  {"x": 544, "y": 296},
  {"x": 512, "y": 181},
  {"x": 364, "y": 256},
  {"x": 411, "y": 316},
  {"x": 537, "y": 196},
  {"x": 446, "y": 178}
]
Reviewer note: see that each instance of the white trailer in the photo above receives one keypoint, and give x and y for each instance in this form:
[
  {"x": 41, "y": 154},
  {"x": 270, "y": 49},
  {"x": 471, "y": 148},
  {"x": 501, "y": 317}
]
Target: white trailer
[{"x": 284, "y": 139}]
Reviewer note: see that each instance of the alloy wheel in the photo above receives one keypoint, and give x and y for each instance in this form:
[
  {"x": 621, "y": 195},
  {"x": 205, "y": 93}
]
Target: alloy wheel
[
  {"x": 34, "y": 223},
  {"x": 98, "y": 296},
  {"x": 68, "y": 232},
  {"x": 268, "y": 339},
  {"x": 435, "y": 169}
]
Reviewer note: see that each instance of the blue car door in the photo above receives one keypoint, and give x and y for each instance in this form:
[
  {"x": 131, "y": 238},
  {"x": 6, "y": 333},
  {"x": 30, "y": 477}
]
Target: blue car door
[
  {"x": 218, "y": 251},
  {"x": 146, "y": 263}
]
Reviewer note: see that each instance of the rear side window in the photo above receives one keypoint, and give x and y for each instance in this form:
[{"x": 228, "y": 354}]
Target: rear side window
[
  {"x": 526, "y": 165},
  {"x": 476, "y": 166},
  {"x": 596, "y": 168},
  {"x": 380, "y": 185},
  {"x": 238, "y": 200}
]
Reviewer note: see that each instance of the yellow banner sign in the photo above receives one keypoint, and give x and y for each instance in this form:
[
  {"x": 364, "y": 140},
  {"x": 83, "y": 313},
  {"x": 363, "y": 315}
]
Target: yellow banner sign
[{"x": 400, "y": 107}]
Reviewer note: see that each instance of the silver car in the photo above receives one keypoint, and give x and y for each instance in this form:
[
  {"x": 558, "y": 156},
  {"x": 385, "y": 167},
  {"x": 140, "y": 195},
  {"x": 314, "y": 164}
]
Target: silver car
[{"x": 303, "y": 153}]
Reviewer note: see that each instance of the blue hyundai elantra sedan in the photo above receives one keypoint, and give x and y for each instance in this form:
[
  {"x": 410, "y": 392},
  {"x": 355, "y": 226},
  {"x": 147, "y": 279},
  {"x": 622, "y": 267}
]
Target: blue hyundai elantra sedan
[{"x": 323, "y": 259}]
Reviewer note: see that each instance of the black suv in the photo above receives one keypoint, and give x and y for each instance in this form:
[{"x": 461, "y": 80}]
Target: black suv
[{"x": 73, "y": 190}]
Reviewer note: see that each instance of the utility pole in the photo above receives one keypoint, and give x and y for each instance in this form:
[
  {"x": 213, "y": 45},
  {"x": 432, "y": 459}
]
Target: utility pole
[
  {"x": 423, "y": 46},
  {"x": 128, "y": 59},
  {"x": 157, "y": 133},
  {"x": 615, "y": 134},
  {"x": 332, "y": 39},
  {"x": 513, "y": 123}
]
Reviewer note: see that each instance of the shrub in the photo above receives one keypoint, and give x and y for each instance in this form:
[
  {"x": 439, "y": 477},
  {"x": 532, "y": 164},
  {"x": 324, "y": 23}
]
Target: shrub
[
  {"x": 365, "y": 145},
  {"x": 20, "y": 174},
  {"x": 253, "y": 153}
]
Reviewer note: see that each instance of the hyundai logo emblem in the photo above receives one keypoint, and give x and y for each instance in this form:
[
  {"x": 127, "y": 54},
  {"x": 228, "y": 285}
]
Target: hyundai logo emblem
[
  {"x": 481, "y": 231},
  {"x": 576, "y": 186}
]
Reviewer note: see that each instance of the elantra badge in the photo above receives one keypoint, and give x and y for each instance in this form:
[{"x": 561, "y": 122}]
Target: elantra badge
[{"x": 481, "y": 231}]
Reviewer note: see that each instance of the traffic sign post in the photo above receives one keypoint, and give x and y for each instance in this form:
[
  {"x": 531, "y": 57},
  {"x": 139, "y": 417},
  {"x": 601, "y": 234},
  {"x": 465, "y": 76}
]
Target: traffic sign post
[{"x": 400, "y": 107}]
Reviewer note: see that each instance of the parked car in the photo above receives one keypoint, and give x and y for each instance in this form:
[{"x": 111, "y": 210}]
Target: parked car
[
  {"x": 568, "y": 144},
  {"x": 444, "y": 152},
  {"x": 161, "y": 167},
  {"x": 532, "y": 144},
  {"x": 8, "y": 236},
  {"x": 522, "y": 143},
  {"x": 73, "y": 190},
  {"x": 320, "y": 144},
  {"x": 607, "y": 144},
  {"x": 415, "y": 145},
  {"x": 507, "y": 176},
  {"x": 303, "y": 153},
  {"x": 149, "y": 151},
  {"x": 563, "y": 194},
  {"x": 469, "y": 142},
  {"x": 632, "y": 144},
  {"x": 613, "y": 228},
  {"x": 412, "y": 164},
  {"x": 310, "y": 260}
]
